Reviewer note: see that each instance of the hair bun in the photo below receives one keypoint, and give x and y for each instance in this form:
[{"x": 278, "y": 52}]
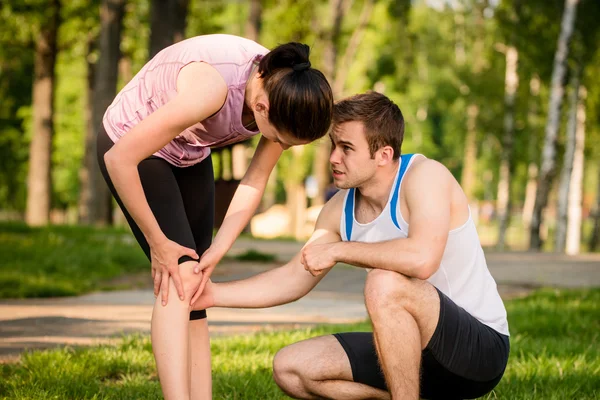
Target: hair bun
[{"x": 301, "y": 67}]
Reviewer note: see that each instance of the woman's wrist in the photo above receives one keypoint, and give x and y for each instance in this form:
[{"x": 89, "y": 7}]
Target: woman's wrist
[{"x": 155, "y": 238}]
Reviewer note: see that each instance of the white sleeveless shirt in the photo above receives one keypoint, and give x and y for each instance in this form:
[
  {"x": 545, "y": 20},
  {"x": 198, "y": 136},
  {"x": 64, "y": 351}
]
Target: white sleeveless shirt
[{"x": 463, "y": 274}]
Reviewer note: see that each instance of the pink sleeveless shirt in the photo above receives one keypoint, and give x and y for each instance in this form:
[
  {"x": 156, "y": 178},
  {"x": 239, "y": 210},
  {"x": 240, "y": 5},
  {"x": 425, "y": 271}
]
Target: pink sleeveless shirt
[{"x": 156, "y": 83}]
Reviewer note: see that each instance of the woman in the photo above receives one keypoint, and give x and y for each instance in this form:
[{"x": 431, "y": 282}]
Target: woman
[{"x": 154, "y": 153}]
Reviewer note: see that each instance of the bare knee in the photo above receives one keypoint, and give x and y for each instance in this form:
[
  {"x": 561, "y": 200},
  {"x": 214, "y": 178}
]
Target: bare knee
[
  {"x": 384, "y": 288},
  {"x": 287, "y": 374},
  {"x": 189, "y": 280}
]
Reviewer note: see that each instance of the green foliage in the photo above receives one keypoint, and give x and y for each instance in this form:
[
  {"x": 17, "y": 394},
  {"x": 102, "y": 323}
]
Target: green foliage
[
  {"x": 433, "y": 61},
  {"x": 64, "y": 260},
  {"x": 255, "y": 256},
  {"x": 554, "y": 355}
]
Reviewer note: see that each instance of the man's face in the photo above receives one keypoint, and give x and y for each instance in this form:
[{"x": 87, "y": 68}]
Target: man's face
[{"x": 350, "y": 158}]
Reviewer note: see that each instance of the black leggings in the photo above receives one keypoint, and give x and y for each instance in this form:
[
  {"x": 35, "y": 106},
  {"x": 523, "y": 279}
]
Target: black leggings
[{"x": 181, "y": 199}]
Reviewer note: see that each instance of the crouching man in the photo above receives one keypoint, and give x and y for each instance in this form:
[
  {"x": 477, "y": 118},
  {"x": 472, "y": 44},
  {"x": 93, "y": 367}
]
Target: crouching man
[{"x": 439, "y": 325}]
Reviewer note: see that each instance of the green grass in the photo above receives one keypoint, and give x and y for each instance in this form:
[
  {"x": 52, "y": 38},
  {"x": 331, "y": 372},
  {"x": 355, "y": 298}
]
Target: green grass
[
  {"x": 253, "y": 255},
  {"x": 554, "y": 355},
  {"x": 64, "y": 260}
]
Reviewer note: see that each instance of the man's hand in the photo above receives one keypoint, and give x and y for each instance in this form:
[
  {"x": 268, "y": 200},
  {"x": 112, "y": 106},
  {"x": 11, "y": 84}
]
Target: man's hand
[
  {"x": 206, "y": 266},
  {"x": 318, "y": 257},
  {"x": 206, "y": 298},
  {"x": 165, "y": 262}
]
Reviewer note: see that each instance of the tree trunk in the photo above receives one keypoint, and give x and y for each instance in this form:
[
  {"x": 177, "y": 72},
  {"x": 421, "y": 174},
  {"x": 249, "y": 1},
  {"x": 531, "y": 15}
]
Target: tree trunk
[
  {"x": 167, "y": 23},
  {"x": 105, "y": 86},
  {"x": 296, "y": 197},
  {"x": 467, "y": 180},
  {"x": 87, "y": 167},
  {"x": 39, "y": 182},
  {"x": 353, "y": 44},
  {"x": 511, "y": 84},
  {"x": 565, "y": 177},
  {"x": 532, "y": 169},
  {"x": 254, "y": 23},
  {"x": 576, "y": 186},
  {"x": 548, "y": 167},
  {"x": 595, "y": 238},
  {"x": 320, "y": 169}
]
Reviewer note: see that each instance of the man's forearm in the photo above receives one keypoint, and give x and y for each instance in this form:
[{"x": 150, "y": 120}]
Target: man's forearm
[
  {"x": 399, "y": 255},
  {"x": 278, "y": 286}
]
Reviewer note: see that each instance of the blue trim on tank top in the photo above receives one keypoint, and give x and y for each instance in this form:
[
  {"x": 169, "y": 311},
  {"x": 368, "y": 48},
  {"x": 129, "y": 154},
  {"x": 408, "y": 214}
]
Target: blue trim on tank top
[
  {"x": 349, "y": 211},
  {"x": 405, "y": 160}
]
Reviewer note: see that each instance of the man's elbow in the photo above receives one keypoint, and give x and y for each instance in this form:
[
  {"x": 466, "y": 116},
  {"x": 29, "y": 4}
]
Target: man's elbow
[{"x": 427, "y": 267}]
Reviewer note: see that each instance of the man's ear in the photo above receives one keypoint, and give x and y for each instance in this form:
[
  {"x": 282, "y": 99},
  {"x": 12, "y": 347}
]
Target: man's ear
[{"x": 386, "y": 155}]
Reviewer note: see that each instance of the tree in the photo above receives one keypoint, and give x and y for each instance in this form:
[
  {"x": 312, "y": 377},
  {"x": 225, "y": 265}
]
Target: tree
[
  {"x": 254, "y": 23},
  {"x": 338, "y": 9},
  {"x": 506, "y": 165},
  {"x": 576, "y": 181},
  {"x": 39, "y": 186},
  {"x": 167, "y": 23},
  {"x": 568, "y": 165},
  {"x": 95, "y": 202},
  {"x": 532, "y": 167},
  {"x": 548, "y": 167},
  {"x": 595, "y": 237}
]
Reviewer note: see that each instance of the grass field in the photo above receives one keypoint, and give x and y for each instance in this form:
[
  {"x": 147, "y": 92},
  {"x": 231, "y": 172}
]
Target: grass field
[
  {"x": 64, "y": 260},
  {"x": 554, "y": 355},
  {"x": 71, "y": 260}
]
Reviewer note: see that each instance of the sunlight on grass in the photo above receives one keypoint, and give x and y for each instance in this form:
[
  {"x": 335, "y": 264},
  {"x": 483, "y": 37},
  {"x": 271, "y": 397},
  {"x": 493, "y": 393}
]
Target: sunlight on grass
[{"x": 554, "y": 355}]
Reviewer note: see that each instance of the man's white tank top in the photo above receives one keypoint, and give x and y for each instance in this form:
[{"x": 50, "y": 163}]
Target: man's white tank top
[{"x": 463, "y": 274}]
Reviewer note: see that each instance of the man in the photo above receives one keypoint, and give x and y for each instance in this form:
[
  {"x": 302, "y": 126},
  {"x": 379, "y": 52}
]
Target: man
[{"x": 439, "y": 325}]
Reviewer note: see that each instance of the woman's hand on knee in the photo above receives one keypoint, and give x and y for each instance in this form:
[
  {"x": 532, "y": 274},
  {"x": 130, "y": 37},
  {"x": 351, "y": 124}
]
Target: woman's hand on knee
[{"x": 165, "y": 257}]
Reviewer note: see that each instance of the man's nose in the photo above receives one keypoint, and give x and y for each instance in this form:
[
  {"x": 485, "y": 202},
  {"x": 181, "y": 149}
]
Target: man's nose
[{"x": 334, "y": 157}]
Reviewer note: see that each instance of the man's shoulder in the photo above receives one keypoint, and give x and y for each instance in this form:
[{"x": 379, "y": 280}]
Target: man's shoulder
[
  {"x": 331, "y": 213},
  {"x": 426, "y": 172}
]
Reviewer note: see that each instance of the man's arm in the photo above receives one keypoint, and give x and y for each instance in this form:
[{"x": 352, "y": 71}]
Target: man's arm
[
  {"x": 284, "y": 284},
  {"x": 427, "y": 188}
]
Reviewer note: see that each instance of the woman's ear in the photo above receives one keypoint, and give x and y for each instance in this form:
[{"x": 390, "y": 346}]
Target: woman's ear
[{"x": 261, "y": 108}]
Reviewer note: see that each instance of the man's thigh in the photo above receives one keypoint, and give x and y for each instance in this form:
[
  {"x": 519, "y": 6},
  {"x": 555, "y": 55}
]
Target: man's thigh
[
  {"x": 319, "y": 358},
  {"x": 464, "y": 358}
]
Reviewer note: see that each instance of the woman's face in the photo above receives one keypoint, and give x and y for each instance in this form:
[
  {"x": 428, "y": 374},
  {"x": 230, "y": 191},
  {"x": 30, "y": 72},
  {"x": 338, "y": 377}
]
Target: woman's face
[{"x": 261, "y": 116}]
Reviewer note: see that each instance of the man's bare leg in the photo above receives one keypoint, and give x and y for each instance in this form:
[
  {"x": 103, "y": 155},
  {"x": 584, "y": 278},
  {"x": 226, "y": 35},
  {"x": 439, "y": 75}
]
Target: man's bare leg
[
  {"x": 319, "y": 368},
  {"x": 404, "y": 312}
]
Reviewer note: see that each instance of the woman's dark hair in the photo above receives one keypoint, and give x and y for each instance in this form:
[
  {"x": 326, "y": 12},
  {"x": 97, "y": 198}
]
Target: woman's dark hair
[{"x": 300, "y": 98}]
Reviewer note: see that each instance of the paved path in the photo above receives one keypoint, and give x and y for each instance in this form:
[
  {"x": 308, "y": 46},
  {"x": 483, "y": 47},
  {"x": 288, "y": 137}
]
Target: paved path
[{"x": 102, "y": 317}]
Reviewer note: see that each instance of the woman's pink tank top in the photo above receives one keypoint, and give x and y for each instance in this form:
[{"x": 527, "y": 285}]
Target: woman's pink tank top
[{"x": 156, "y": 83}]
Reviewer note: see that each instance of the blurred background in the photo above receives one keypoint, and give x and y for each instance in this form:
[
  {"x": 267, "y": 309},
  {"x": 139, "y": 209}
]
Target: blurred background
[{"x": 503, "y": 92}]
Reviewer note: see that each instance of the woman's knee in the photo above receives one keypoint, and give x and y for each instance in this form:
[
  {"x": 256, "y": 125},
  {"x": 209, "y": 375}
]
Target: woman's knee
[{"x": 189, "y": 279}]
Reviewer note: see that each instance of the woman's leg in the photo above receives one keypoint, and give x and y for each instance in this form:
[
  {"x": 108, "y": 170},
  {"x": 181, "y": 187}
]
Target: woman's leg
[
  {"x": 169, "y": 323},
  {"x": 197, "y": 188}
]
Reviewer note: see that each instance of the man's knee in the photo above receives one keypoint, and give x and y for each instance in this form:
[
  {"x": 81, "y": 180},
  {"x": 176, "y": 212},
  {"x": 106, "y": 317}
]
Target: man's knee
[
  {"x": 384, "y": 288},
  {"x": 287, "y": 374}
]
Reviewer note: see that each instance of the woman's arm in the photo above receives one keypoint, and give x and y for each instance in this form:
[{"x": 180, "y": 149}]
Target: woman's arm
[
  {"x": 242, "y": 207},
  {"x": 247, "y": 197},
  {"x": 197, "y": 99}
]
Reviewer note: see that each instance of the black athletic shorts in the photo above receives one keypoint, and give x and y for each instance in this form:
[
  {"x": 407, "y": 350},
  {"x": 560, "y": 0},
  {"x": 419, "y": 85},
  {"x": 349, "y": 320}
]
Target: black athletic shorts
[
  {"x": 181, "y": 199},
  {"x": 464, "y": 359}
]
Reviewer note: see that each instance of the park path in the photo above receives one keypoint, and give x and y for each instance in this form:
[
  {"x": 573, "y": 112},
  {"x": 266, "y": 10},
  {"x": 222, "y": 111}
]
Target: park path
[{"x": 105, "y": 316}]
